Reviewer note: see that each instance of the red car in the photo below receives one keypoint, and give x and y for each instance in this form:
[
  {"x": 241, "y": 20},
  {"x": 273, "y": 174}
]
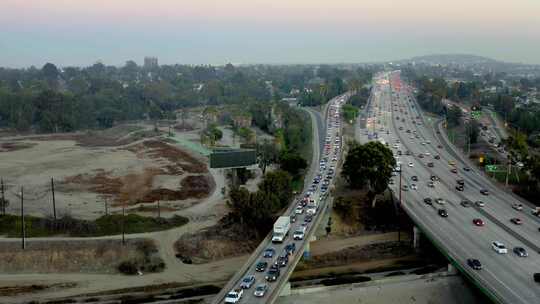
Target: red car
[
  {"x": 478, "y": 222},
  {"x": 516, "y": 221}
]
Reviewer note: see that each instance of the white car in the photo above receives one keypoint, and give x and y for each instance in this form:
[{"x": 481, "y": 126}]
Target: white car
[
  {"x": 411, "y": 164},
  {"x": 499, "y": 247},
  {"x": 414, "y": 187},
  {"x": 299, "y": 233},
  {"x": 299, "y": 209},
  {"x": 427, "y": 154},
  {"x": 234, "y": 296}
]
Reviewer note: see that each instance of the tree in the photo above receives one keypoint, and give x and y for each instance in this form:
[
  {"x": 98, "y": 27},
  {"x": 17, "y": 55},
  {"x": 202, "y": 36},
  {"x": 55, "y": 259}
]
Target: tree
[
  {"x": 292, "y": 162},
  {"x": 473, "y": 131},
  {"x": 369, "y": 166},
  {"x": 453, "y": 115}
]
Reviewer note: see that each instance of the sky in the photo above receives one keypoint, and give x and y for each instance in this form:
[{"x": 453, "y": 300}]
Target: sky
[{"x": 82, "y": 32}]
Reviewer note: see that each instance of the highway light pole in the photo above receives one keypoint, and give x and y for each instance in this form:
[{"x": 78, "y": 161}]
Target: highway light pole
[
  {"x": 23, "y": 228},
  {"x": 399, "y": 207}
]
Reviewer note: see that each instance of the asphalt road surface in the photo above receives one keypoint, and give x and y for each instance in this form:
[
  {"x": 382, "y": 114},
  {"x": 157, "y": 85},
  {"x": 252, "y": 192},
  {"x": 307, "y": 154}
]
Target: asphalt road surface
[{"x": 508, "y": 278}]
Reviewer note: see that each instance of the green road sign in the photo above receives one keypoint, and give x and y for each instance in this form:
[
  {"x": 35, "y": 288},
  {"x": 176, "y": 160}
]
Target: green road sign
[
  {"x": 491, "y": 168},
  {"x": 476, "y": 114}
]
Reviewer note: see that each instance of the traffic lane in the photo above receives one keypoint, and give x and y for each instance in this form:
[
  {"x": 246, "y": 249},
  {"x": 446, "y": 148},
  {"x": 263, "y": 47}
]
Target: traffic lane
[
  {"x": 529, "y": 228},
  {"x": 448, "y": 195}
]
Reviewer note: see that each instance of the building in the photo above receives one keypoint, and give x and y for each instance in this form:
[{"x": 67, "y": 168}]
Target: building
[{"x": 150, "y": 62}]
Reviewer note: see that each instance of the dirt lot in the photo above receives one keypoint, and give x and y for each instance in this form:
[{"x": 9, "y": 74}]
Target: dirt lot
[{"x": 119, "y": 165}]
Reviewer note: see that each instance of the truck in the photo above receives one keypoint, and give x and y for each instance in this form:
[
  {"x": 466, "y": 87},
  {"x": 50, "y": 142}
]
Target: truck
[{"x": 281, "y": 229}]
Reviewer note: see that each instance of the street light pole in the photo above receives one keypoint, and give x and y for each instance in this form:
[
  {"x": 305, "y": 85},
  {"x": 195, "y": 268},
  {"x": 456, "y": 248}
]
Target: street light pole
[{"x": 399, "y": 207}]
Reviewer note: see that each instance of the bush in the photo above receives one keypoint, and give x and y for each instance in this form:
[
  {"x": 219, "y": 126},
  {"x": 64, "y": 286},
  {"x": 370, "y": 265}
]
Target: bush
[{"x": 128, "y": 267}]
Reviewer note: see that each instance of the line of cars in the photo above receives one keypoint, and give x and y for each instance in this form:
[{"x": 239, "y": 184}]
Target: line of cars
[
  {"x": 307, "y": 207},
  {"x": 497, "y": 246}
]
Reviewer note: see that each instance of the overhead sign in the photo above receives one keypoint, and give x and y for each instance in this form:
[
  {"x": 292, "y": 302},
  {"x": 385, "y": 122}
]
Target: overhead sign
[
  {"x": 476, "y": 114},
  {"x": 491, "y": 168},
  {"x": 232, "y": 158}
]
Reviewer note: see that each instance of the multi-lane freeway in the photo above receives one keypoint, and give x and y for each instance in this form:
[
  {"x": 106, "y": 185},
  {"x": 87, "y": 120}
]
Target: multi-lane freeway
[
  {"x": 255, "y": 281},
  {"x": 421, "y": 149}
]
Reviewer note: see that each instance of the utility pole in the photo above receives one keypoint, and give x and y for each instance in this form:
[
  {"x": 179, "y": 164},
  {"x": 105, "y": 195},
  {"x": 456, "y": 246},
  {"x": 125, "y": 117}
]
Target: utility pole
[
  {"x": 106, "y": 206},
  {"x": 23, "y": 228},
  {"x": 508, "y": 168},
  {"x": 3, "y": 197},
  {"x": 158, "y": 210},
  {"x": 53, "y": 199},
  {"x": 123, "y": 223}
]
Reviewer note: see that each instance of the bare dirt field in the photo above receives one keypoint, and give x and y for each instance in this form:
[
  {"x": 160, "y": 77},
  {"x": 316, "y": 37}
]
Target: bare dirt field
[{"x": 128, "y": 164}]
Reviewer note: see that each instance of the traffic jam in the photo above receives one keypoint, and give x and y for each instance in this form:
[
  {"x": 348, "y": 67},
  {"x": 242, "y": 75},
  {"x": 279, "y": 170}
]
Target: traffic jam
[{"x": 290, "y": 230}]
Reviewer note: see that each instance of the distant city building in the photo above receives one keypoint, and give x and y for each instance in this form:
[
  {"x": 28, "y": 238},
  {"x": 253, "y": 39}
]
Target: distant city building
[{"x": 150, "y": 62}]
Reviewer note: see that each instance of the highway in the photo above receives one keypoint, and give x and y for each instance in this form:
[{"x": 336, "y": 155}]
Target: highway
[
  {"x": 326, "y": 144},
  {"x": 506, "y": 278}
]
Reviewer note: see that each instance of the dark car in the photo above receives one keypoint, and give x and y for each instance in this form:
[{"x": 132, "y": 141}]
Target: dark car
[
  {"x": 474, "y": 264},
  {"x": 290, "y": 248},
  {"x": 443, "y": 213},
  {"x": 459, "y": 187},
  {"x": 282, "y": 260},
  {"x": 521, "y": 252},
  {"x": 308, "y": 218},
  {"x": 437, "y": 157},
  {"x": 428, "y": 201},
  {"x": 516, "y": 221},
  {"x": 414, "y": 178},
  {"x": 434, "y": 178},
  {"x": 460, "y": 182},
  {"x": 467, "y": 169},
  {"x": 430, "y": 165},
  {"x": 536, "y": 277},
  {"x": 269, "y": 252},
  {"x": 272, "y": 275},
  {"x": 465, "y": 203},
  {"x": 261, "y": 266},
  {"x": 453, "y": 170},
  {"x": 484, "y": 192}
]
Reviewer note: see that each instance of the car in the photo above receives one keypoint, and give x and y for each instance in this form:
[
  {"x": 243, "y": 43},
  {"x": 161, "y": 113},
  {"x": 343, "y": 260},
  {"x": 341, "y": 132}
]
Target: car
[
  {"x": 484, "y": 191},
  {"x": 431, "y": 184},
  {"x": 440, "y": 146},
  {"x": 478, "y": 222},
  {"x": 439, "y": 201},
  {"x": 293, "y": 217},
  {"x": 308, "y": 218},
  {"x": 434, "y": 178},
  {"x": 428, "y": 201},
  {"x": 290, "y": 248},
  {"x": 437, "y": 157},
  {"x": 299, "y": 233},
  {"x": 443, "y": 212},
  {"x": 269, "y": 252},
  {"x": 414, "y": 187},
  {"x": 536, "y": 277},
  {"x": 261, "y": 266},
  {"x": 411, "y": 164},
  {"x": 465, "y": 203},
  {"x": 459, "y": 187},
  {"x": 247, "y": 282},
  {"x": 517, "y": 206},
  {"x": 479, "y": 203},
  {"x": 405, "y": 188},
  {"x": 272, "y": 275},
  {"x": 427, "y": 154},
  {"x": 260, "y": 290},
  {"x": 499, "y": 247},
  {"x": 234, "y": 296},
  {"x": 467, "y": 169},
  {"x": 521, "y": 252},
  {"x": 474, "y": 264},
  {"x": 460, "y": 182},
  {"x": 299, "y": 209},
  {"x": 420, "y": 155},
  {"x": 391, "y": 182},
  {"x": 414, "y": 178},
  {"x": 430, "y": 165},
  {"x": 516, "y": 221},
  {"x": 453, "y": 170},
  {"x": 282, "y": 260},
  {"x": 452, "y": 163}
]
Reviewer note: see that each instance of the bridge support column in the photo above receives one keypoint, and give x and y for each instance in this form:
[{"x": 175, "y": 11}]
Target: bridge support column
[
  {"x": 307, "y": 247},
  {"x": 416, "y": 237},
  {"x": 286, "y": 290},
  {"x": 451, "y": 269}
]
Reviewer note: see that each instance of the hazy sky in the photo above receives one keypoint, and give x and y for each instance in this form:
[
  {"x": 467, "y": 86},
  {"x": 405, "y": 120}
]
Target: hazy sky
[{"x": 81, "y": 32}]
